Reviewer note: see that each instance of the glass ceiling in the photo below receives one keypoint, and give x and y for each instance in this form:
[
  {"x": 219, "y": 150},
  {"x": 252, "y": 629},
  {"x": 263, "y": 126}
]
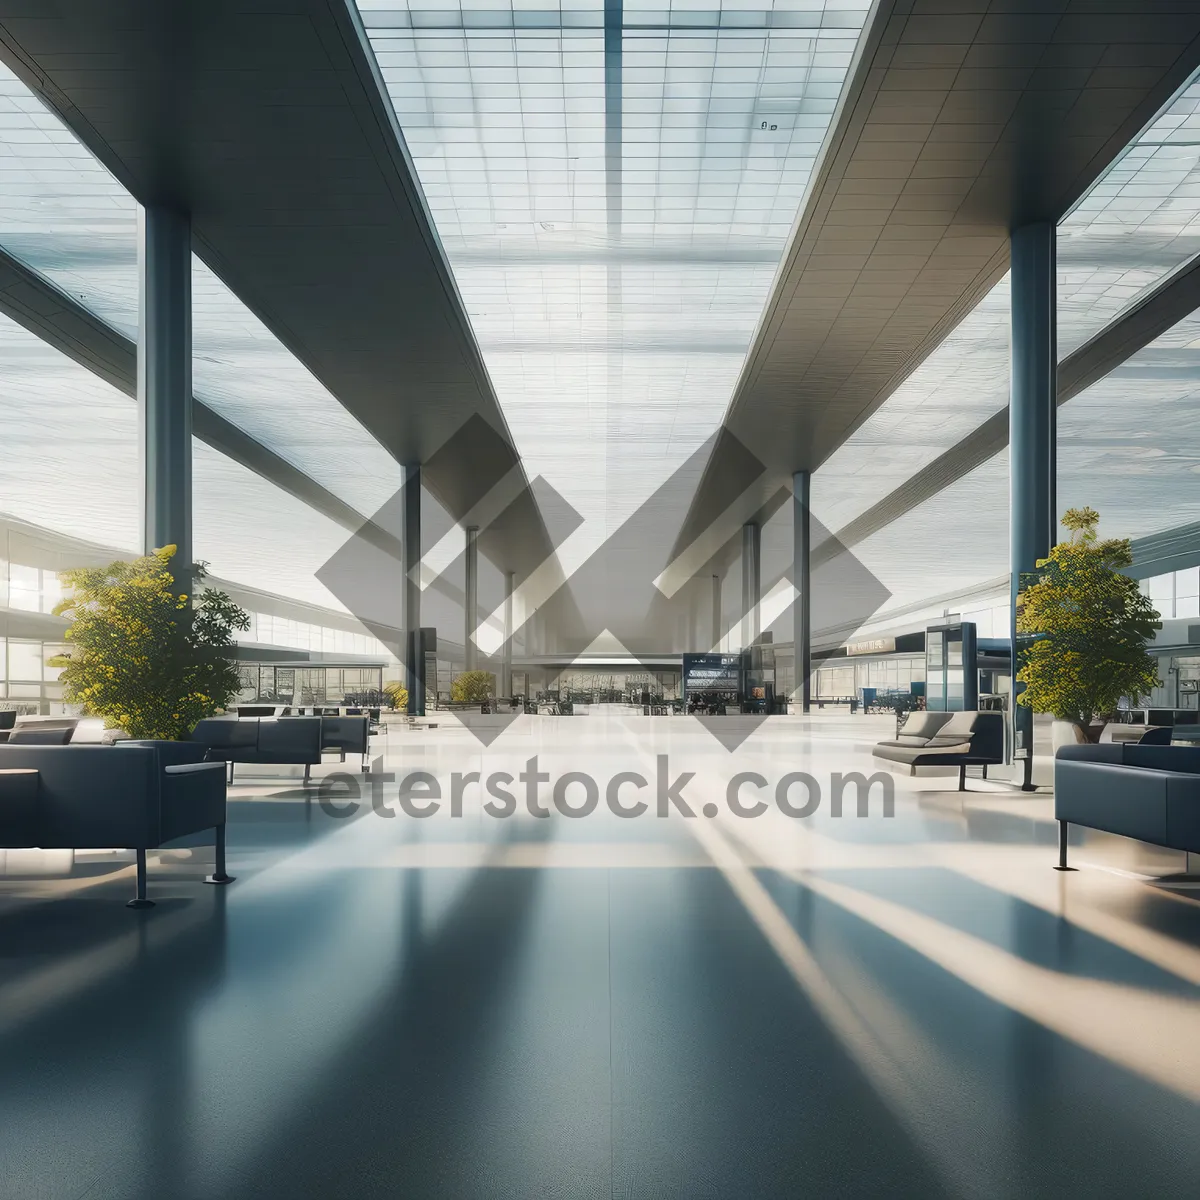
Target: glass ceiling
[
  {"x": 63, "y": 215},
  {"x": 614, "y": 202},
  {"x": 1136, "y": 225}
]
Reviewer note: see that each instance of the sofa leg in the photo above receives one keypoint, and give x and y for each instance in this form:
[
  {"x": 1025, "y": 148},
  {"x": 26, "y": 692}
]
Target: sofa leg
[
  {"x": 985, "y": 770},
  {"x": 139, "y": 900},
  {"x": 962, "y": 777},
  {"x": 307, "y": 772},
  {"x": 220, "y": 875},
  {"x": 1063, "y": 826},
  {"x": 231, "y": 772}
]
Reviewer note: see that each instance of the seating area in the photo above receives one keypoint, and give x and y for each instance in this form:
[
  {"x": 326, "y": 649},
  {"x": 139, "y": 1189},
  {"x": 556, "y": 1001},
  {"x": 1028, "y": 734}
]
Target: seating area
[
  {"x": 947, "y": 739},
  {"x": 138, "y": 795},
  {"x": 293, "y": 741}
]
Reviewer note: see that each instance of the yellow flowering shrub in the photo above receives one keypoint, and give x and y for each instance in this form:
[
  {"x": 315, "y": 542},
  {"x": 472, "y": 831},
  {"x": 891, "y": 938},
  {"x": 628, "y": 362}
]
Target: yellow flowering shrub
[
  {"x": 473, "y": 687},
  {"x": 147, "y": 659},
  {"x": 1083, "y": 626}
]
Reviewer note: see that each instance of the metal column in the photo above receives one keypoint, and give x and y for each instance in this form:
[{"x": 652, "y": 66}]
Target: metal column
[
  {"x": 506, "y": 662},
  {"x": 1032, "y": 465},
  {"x": 164, "y": 369},
  {"x": 716, "y": 613},
  {"x": 471, "y": 599},
  {"x": 801, "y": 580},
  {"x": 751, "y": 583},
  {"x": 414, "y": 649}
]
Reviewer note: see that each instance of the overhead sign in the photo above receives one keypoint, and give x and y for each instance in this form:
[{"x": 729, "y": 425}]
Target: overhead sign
[{"x": 885, "y": 645}]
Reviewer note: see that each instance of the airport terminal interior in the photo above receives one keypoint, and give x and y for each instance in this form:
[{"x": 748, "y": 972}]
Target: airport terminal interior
[{"x": 599, "y": 599}]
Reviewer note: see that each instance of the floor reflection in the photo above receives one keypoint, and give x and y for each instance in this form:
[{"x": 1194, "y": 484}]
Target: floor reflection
[{"x": 653, "y": 1008}]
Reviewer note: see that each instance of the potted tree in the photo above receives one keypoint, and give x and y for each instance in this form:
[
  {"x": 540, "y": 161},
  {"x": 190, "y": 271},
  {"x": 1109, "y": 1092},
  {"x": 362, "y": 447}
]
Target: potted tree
[
  {"x": 473, "y": 687},
  {"x": 1085, "y": 627},
  {"x": 148, "y": 659}
]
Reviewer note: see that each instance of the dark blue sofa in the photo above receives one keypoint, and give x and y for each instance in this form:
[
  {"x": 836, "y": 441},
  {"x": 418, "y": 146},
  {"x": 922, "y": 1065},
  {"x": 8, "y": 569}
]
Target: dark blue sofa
[
  {"x": 1151, "y": 793},
  {"x": 139, "y": 795},
  {"x": 294, "y": 741}
]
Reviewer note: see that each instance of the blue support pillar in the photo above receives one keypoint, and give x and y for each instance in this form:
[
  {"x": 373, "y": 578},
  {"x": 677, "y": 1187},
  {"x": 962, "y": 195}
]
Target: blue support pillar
[
  {"x": 802, "y": 610},
  {"x": 164, "y": 368},
  {"x": 506, "y": 663},
  {"x": 751, "y": 583},
  {"x": 1032, "y": 413},
  {"x": 471, "y": 599},
  {"x": 414, "y": 648},
  {"x": 716, "y": 614}
]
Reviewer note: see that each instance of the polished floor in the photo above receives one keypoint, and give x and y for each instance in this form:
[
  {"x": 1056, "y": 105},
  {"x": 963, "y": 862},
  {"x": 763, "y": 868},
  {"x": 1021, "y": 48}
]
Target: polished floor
[{"x": 726, "y": 1007}]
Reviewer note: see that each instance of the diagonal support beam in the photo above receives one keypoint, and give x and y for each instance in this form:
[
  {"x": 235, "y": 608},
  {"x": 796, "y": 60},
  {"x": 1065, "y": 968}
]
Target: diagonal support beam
[
  {"x": 1149, "y": 317},
  {"x": 49, "y": 313}
]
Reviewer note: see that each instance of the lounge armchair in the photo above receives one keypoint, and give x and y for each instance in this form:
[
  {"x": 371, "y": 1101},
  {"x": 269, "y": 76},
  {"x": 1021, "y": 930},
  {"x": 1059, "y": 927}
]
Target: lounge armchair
[
  {"x": 1151, "y": 793},
  {"x": 137, "y": 794},
  {"x": 941, "y": 739}
]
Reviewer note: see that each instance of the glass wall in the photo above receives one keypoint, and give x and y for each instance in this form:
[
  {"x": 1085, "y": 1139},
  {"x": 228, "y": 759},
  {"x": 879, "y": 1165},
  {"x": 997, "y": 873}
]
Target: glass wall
[
  {"x": 271, "y": 630},
  {"x": 1175, "y": 594},
  {"x": 27, "y": 681},
  {"x": 306, "y": 684},
  {"x": 28, "y": 589},
  {"x": 845, "y": 679}
]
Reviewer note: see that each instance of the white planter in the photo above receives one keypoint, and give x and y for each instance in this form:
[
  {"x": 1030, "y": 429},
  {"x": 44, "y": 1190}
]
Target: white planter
[{"x": 1064, "y": 733}]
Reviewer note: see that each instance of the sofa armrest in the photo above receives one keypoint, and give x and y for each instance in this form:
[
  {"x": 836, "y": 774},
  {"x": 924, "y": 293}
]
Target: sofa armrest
[{"x": 193, "y": 798}]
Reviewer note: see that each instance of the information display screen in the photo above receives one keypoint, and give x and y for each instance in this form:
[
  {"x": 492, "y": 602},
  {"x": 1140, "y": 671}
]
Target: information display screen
[{"x": 712, "y": 673}]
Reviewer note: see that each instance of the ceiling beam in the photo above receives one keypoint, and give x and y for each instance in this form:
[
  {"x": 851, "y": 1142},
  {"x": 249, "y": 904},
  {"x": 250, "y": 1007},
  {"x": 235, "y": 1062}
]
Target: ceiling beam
[
  {"x": 47, "y": 312},
  {"x": 270, "y": 125},
  {"x": 957, "y": 123},
  {"x": 1151, "y": 315}
]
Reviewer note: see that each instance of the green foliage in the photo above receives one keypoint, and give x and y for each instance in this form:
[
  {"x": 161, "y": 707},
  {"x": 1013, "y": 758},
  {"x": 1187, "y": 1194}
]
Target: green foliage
[
  {"x": 146, "y": 659},
  {"x": 397, "y": 693},
  {"x": 1086, "y": 627},
  {"x": 473, "y": 687}
]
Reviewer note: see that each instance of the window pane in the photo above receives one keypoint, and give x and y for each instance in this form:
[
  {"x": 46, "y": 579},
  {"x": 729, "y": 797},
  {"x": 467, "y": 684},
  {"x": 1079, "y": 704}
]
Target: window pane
[
  {"x": 24, "y": 587},
  {"x": 25, "y": 661}
]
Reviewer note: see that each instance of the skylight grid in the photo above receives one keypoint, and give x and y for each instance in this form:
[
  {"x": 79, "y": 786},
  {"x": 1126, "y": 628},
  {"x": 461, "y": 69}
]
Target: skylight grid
[
  {"x": 1137, "y": 224},
  {"x": 62, "y": 213},
  {"x": 613, "y": 208}
]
